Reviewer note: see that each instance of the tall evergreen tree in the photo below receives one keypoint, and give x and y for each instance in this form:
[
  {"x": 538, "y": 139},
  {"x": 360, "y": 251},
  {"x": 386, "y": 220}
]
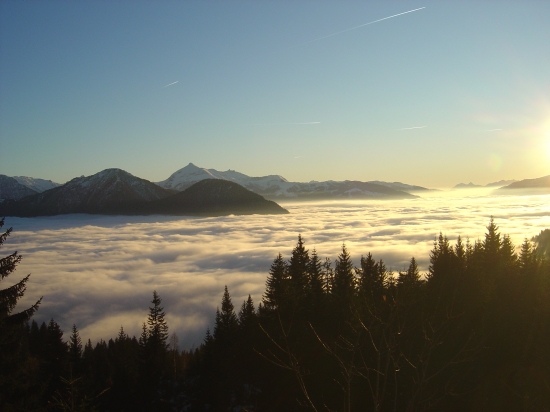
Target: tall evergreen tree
[
  {"x": 13, "y": 353},
  {"x": 344, "y": 279},
  {"x": 298, "y": 273},
  {"x": 157, "y": 333},
  {"x": 226, "y": 320},
  {"x": 276, "y": 284},
  {"x": 247, "y": 314},
  {"x": 75, "y": 347},
  {"x": 316, "y": 296},
  {"x": 411, "y": 277},
  {"x": 10, "y": 295}
]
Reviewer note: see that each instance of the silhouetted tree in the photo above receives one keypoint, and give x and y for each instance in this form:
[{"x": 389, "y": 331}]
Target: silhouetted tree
[
  {"x": 13, "y": 353},
  {"x": 276, "y": 291}
]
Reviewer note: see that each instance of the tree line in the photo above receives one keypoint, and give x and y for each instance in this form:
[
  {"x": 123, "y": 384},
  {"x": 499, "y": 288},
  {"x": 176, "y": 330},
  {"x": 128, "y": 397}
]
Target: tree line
[{"x": 471, "y": 334}]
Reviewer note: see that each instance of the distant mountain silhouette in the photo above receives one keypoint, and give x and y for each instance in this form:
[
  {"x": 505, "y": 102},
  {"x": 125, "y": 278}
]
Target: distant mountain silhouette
[
  {"x": 471, "y": 185},
  {"x": 528, "y": 186},
  {"x": 111, "y": 191},
  {"x": 466, "y": 186},
  {"x": 214, "y": 197},
  {"x": 116, "y": 192},
  {"x": 11, "y": 189},
  {"x": 500, "y": 183},
  {"x": 276, "y": 187}
]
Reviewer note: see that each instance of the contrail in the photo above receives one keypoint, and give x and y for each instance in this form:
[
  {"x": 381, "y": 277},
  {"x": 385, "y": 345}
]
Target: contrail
[
  {"x": 411, "y": 128},
  {"x": 493, "y": 130},
  {"x": 357, "y": 27},
  {"x": 170, "y": 84},
  {"x": 282, "y": 124}
]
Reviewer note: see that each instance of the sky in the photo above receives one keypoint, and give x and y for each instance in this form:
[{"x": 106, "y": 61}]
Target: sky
[
  {"x": 99, "y": 272},
  {"x": 424, "y": 92}
]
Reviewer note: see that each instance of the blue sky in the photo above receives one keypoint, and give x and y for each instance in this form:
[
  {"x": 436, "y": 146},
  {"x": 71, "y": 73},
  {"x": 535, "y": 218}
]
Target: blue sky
[{"x": 456, "y": 91}]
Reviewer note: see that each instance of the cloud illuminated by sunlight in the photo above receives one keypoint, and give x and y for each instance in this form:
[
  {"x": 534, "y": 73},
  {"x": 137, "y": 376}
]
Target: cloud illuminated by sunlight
[{"x": 99, "y": 272}]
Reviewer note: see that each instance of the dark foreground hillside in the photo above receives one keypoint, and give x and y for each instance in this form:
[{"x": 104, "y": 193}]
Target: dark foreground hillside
[{"x": 471, "y": 335}]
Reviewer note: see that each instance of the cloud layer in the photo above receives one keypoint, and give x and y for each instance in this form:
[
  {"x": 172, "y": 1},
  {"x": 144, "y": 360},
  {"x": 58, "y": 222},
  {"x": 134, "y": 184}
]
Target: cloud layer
[{"x": 99, "y": 272}]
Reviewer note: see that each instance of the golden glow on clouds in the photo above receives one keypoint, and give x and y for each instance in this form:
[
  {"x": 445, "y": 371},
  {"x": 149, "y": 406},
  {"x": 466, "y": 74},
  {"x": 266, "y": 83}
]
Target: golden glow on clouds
[{"x": 99, "y": 272}]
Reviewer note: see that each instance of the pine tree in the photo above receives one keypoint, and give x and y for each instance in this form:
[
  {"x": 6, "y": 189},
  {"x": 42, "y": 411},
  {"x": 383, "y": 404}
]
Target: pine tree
[
  {"x": 372, "y": 279},
  {"x": 157, "y": 332},
  {"x": 411, "y": 277},
  {"x": 247, "y": 314},
  {"x": 344, "y": 279},
  {"x": 528, "y": 259},
  {"x": 226, "y": 321},
  {"x": 298, "y": 273},
  {"x": 13, "y": 351},
  {"x": 316, "y": 290},
  {"x": 10, "y": 295},
  {"x": 276, "y": 284},
  {"x": 75, "y": 347},
  {"x": 143, "y": 336}
]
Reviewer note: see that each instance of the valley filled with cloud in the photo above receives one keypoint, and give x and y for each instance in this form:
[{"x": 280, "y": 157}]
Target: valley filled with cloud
[{"x": 99, "y": 272}]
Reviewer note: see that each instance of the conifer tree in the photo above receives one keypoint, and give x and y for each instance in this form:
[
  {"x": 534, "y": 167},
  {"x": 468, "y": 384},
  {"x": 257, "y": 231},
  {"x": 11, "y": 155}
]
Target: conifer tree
[
  {"x": 298, "y": 272},
  {"x": 276, "y": 284},
  {"x": 526, "y": 257},
  {"x": 10, "y": 295},
  {"x": 316, "y": 291},
  {"x": 13, "y": 354},
  {"x": 157, "y": 332},
  {"x": 411, "y": 277},
  {"x": 247, "y": 314},
  {"x": 75, "y": 346},
  {"x": 226, "y": 320},
  {"x": 344, "y": 279}
]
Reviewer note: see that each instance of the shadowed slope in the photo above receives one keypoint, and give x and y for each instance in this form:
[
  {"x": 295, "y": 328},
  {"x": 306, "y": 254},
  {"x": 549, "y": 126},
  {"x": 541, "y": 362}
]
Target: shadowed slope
[{"x": 215, "y": 197}]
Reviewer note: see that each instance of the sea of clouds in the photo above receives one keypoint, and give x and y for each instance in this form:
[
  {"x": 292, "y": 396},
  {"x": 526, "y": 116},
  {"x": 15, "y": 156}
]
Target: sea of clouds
[{"x": 99, "y": 272}]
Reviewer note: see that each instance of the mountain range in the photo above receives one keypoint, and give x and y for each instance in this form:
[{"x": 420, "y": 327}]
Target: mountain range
[
  {"x": 273, "y": 187},
  {"x": 114, "y": 191},
  {"x": 276, "y": 187},
  {"x": 117, "y": 192},
  {"x": 540, "y": 185},
  {"x": 500, "y": 183}
]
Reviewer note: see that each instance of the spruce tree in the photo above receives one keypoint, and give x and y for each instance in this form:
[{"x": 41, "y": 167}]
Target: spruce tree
[
  {"x": 247, "y": 314},
  {"x": 157, "y": 332},
  {"x": 10, "y": 295},
  {"x": 276, "y": 284},
  {"x": 13, "y": 351},
  {"x": 226, "y": 321},
  {"x": 411, "y": 277},
  {"x": 316, "y": 290},
  {"x": 298, "y": 273},
  {"x": 344, "y": 279},
  {"x": 75, "y": 347}
]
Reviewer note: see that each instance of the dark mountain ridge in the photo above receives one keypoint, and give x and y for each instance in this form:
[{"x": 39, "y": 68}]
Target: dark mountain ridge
[
  {"x": 11, "y": 189},
  {"x": 214, "y": 197},
  {"x": 117, "y": 192},
  {"x": 536, "y": 186}
]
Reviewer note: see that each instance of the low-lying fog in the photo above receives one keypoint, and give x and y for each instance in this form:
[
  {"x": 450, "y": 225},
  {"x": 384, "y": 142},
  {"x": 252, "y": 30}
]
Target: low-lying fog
[{"x": 99, "y": 272}]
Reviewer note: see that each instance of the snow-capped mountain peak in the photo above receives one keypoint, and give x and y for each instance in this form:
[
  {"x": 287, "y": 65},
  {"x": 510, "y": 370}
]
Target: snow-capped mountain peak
[{"x": 277, "y": 187}]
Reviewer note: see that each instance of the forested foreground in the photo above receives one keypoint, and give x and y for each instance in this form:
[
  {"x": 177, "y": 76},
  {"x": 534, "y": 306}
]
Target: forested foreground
[{"x": 471, "y": 334}]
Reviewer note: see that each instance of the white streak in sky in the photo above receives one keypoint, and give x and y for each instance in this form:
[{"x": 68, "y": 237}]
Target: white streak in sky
[
  {"x": 357, "y": 27},
  {"x": 411, "y": 128},
  {"x": 283, "y": 124},
  {"x": 493, "y": 130},
  {"x": 171, "y": 84}
]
